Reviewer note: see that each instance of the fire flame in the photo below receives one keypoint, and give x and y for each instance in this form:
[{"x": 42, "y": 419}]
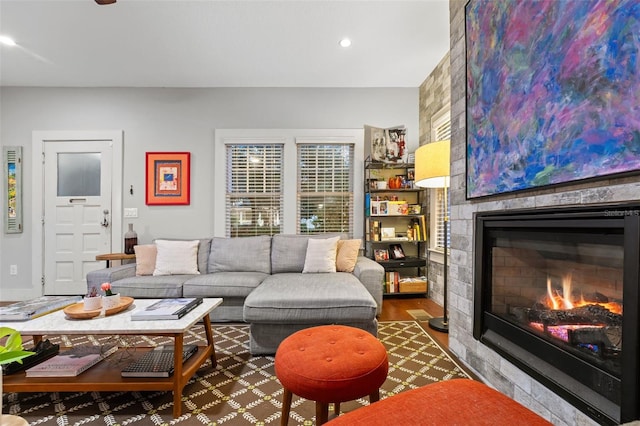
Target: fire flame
[{"x": 557, "y": 301}]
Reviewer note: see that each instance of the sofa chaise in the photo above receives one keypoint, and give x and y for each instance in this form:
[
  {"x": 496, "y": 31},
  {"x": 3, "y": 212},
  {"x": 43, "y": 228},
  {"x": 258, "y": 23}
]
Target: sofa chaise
[{"x": 277, "y": 284}]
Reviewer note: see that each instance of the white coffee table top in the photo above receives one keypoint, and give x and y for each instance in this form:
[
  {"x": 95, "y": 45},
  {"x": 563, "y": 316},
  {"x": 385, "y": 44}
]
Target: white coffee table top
[{"x": 58, "y": 323}]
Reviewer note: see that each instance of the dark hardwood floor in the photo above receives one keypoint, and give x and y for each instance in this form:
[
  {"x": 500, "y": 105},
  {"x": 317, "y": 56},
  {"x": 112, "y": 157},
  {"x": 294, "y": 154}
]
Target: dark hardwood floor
[{"x": 395, "y": 309}]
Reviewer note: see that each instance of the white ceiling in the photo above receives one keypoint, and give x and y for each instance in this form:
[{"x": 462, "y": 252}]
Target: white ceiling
[{"x": 216, "y": 43}]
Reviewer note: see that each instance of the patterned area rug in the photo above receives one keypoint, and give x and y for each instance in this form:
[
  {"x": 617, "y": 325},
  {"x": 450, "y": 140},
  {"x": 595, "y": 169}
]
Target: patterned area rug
[{"x": 241, "y": 390}]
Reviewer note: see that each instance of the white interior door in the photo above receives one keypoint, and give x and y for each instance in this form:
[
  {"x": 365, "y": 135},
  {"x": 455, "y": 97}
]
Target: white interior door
[{"x": 77, "y": 212}]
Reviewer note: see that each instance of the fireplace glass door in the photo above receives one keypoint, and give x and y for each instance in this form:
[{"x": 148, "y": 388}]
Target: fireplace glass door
[{"x": 563, "y": 286}]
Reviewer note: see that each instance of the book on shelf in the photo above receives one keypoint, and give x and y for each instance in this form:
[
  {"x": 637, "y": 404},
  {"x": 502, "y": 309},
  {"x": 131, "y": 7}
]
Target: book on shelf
[
  {"x": 29, "y": 309},
  {"x": 397, "y": 239},
  {"x": 424, "y": 227},
  {"x": 375, "y": 230},
  {"x": 417, "y": 232},
  {"x": 166, "y": 309},
  {"x": 392, "y": 280},
  {"x": 158, "y": 362},
  {"x": 72, "y": 362}
]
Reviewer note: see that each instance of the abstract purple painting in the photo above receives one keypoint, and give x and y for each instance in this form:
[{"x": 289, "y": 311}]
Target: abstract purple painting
[{"x": 553, "y": 92}]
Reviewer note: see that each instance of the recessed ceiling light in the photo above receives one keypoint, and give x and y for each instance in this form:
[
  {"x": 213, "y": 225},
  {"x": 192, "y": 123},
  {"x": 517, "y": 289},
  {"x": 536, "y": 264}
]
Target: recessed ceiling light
[
  {"x": 345, "y": 42},
  {"x": 7, "y": 40}
]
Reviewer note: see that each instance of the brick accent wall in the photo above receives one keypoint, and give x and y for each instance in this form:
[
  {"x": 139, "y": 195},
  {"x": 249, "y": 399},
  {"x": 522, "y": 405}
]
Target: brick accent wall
[
  {"x": 491, "y": 367},
  {"x": 435, "y": 94}
]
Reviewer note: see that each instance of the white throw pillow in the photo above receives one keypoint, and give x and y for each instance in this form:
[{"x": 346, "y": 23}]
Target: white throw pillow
[
  {"x": 321, "y": 255},
  {"x": 176, "y": 257}
]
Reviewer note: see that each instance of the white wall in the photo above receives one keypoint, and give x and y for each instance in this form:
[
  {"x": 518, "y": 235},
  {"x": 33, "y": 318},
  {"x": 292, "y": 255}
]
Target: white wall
[{"x": 155, "y": 119}]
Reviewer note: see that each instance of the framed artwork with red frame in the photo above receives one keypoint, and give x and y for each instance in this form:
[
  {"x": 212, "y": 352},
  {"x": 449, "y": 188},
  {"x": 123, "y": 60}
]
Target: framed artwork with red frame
[{"x": 167, "y": 178}]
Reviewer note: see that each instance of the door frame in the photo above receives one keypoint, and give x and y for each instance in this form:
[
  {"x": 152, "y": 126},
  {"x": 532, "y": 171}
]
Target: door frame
[{"x": 39, "y": 138}]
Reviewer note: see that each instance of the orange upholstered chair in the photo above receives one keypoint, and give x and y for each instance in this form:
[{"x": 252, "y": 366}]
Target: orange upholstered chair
[
  {"x": 451, "y": 402},
  {"x": 330, "y": 364}
]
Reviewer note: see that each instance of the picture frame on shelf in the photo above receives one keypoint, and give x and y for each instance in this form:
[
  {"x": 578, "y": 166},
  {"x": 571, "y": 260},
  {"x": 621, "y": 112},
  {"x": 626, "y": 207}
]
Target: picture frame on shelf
[
  {"x": 396, "y": 252},
  {"x": 415, "y": 209},
  {"x": 372, "y": 184},
  {"x": 167, "y": 178},
  {"x": 374, "y": 207},
  {"x": 411, "y": 174},
  {"x": 379, "y": 208},
  {"x": 387, "y": 233},
  {"x": 381, "y": 255},
  {"x": 398, "y": 208}
]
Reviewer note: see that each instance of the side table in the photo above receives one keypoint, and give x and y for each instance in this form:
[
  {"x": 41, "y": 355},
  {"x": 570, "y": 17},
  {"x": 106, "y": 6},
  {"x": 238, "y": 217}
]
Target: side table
[{"x": 115, "y": 256}]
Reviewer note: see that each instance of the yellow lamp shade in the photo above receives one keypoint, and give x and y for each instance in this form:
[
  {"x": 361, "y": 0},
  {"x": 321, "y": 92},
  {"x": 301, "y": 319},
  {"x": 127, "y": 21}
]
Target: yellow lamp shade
[{"x": 433, "y": 165}]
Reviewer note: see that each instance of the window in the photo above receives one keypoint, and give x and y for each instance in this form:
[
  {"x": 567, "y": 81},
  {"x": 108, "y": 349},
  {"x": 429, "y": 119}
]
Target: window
[
  {"x": 440, "y": 130},
  {"x": 254, "y": 189},
  {"x": 267, "y": 180},
  {"x": 438, "y": 195},
  {"x": 325, "y": 188}
]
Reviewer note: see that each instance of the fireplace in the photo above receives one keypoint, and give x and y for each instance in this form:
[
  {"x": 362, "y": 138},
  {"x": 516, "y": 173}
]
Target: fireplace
[{"x": 557, "y": 294}]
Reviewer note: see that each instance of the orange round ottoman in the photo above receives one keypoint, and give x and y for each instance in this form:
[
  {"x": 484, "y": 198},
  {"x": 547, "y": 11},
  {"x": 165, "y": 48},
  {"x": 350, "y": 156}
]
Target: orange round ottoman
[{"x": 330, "y": 364}]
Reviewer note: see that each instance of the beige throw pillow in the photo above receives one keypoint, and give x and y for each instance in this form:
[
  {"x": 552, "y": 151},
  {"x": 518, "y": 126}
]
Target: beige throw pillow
[
  {"x": 145, "y": 259},
  {"x": 347, "y": 257},
  {"x": 321, "y": 255},
  {"x": 176, "y": 257}
]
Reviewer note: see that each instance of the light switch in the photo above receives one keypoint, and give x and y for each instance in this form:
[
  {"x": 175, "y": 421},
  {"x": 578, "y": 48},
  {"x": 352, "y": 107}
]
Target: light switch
[{"x": 132, "y": 212}]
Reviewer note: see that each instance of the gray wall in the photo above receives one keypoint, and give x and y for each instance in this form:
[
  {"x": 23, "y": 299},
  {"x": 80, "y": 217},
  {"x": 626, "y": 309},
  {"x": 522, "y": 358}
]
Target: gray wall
[{"x": 156, "y": 119}]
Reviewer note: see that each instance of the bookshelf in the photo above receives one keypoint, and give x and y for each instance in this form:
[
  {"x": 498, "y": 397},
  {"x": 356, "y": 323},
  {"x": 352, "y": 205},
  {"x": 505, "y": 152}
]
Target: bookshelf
[{"x": 396, "y": 232}]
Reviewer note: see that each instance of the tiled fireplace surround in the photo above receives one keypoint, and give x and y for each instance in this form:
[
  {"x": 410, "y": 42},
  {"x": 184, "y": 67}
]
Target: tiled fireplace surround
[{"x": 488, "y": 364}]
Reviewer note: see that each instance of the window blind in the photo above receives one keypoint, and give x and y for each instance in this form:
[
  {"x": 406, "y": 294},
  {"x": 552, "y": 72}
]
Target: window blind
[
  {"x": 254, "y": 189},
  {"x": 440, "y": 213},
  {"x": 325, "y": 188},
  {"x": 442, "y": 131}
]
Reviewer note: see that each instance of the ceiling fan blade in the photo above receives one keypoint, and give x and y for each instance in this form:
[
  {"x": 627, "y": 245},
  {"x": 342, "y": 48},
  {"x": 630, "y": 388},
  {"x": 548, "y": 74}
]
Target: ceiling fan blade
[{"x": 103, "y": 2}]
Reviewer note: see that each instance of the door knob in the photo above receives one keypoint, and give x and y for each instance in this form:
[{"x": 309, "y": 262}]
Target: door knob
[{"x": 105, "y": 221}]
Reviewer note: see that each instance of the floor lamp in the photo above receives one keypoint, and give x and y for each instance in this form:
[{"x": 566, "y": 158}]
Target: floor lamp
[{"x": 432, "y": 170}]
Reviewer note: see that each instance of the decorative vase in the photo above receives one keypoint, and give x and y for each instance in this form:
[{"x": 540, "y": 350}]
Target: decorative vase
[
  {"x": 109, "y": 302},
  {"x": 130, "y": 240},
  {"x": 92, "y": 303}
]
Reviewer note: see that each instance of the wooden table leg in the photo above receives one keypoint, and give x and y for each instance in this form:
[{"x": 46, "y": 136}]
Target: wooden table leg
[
  {"x": 177, "y": 375},
  {"x": 209, "y": 333}
]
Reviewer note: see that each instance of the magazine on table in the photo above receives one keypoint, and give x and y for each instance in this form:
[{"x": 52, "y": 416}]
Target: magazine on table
[
  {"x": 72, "y": 362},
  {"x": 157, "y": 362},
  {"x": 29, "y": 309},
  {"x": 170, "y": 308}
]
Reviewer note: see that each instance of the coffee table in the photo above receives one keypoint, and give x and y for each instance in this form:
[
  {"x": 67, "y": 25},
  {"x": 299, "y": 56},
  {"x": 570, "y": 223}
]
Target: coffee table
[{"x": 103, "y": 376}]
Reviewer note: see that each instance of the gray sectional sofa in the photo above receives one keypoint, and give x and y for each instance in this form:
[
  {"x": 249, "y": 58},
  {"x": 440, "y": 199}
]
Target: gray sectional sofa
[{"x": 261, "y": 282}]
